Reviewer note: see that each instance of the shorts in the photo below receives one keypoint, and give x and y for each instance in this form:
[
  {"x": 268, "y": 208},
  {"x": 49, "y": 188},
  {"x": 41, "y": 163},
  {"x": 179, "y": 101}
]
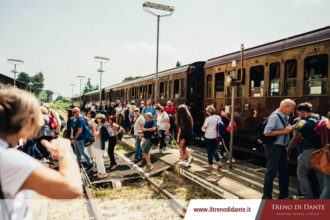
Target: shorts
[
  {"x": 187, "y": 139},
  {"x": 146, "y": 146}
]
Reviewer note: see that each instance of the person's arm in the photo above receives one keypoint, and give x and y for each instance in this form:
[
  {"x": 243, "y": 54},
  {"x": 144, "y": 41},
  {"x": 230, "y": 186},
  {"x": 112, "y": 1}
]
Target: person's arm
[
  {"x": 178, "y": 135},
  {"x": 62, "y": 184},
  {"x": 167, "y": 121},
  {"x": 96, "y": 133},
  {"x": 293, "y": 143},
  {"x": 270, "y": 127},
  {"x": 286, "y": 130},
  {"x": 328, "y": 124},
  {"x": 120, "y": 129},
  {"x": 204, "y": 127}
]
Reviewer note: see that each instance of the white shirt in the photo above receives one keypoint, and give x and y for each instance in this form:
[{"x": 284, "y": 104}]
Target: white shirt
[
  {"x": 15, "y": 168},
  {"x": 161, "y": 121},
  {"x": 211, "y": 126},
  {"x": 139, "y": 124}
]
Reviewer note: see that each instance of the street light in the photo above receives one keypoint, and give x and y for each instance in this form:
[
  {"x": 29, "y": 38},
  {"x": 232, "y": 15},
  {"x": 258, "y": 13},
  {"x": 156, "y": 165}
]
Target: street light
[
  {"x": 101, "y": 60},
  {"x": 15, "y": 62},
  {"x": 80, "y": 78},
  {"x": 170, "y": 10},
  {"x": 72, "y": 85}
]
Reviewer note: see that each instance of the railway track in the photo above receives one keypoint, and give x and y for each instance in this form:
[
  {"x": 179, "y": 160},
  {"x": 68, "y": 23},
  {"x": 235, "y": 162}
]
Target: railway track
[{"x": 179, "y": 208}]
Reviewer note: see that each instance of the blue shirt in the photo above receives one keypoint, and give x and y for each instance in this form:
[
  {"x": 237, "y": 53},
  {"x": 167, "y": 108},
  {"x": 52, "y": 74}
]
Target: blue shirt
[
  {"x": 275, "y": 124},
  {"x": 79, "y": 123},
  {"x": 149, "y": 124},
  {"x": 152, "y": 110},
  {"x": 306, "y": 127}
]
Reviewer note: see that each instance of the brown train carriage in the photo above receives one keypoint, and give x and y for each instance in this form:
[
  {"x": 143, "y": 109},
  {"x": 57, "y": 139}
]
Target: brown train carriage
[
  {"x": 6, "y": 80},
  {"x": 296, "y": 67},
  {"x": 181, "y": 85}
]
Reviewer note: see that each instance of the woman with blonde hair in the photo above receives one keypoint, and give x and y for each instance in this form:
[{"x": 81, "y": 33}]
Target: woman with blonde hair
[
  {"x": 20, "y": 118},
  {"x": 211, "y": 129},
  {"x": 99, "y": 145},
  {"x": 185, "y": 127}
]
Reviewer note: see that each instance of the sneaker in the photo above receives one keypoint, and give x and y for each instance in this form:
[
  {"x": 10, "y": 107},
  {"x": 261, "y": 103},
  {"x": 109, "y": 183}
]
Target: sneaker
[
  {"x": 186, "y": 164},
  {"x": 148, "y": 168},
  {"x": 90, "y": 167},
  {"x": 190, "y": 159},
  {"x": 181, "y": 162}
]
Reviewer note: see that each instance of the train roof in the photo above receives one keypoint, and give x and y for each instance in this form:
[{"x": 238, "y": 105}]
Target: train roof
[
  {"x": 152, "y": 76},
  {"x": 310, "y": 37},
  {"x": 92, "y": 92},
  {"x": 8, "y": 80}
]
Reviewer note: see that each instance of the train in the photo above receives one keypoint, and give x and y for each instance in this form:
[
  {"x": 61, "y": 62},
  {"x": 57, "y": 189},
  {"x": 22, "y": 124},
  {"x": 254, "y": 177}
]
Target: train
[
  {"x": 6, "y": 80},
  {"x": 295, "y": 67}
]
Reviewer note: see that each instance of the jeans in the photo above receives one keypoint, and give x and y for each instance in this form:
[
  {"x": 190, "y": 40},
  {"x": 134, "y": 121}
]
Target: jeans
[
  {"x": 111, "y": 150},
  {"x": 325, "y": 194},
  {"x": 304, "y": 166},
  {"x": 79, "y": 146},
  {"x": 162, "y": 139},
  {"x": 276, "y": 156},
  {"x": 211, "y": 147},
  {"x": 138, "y": 148}
]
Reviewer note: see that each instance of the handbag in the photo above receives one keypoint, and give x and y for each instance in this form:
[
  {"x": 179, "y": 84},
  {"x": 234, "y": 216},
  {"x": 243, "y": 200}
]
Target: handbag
[{"x": 320, "y": 159}]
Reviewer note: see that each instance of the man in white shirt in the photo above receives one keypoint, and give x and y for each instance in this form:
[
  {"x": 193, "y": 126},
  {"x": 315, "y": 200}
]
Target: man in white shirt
[{"x": 138, "y": 124}]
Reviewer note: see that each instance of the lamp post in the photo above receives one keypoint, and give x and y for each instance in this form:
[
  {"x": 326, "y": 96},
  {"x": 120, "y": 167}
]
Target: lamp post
[
  {"x": 233, "y": 66},
  {"x": 101, "y": 60},
  {"x": 80, "y": 78},
  {"x": 72, "y": 85},
  {"x": 170, "y": 10},
  {"x": 15, "y": 62}
]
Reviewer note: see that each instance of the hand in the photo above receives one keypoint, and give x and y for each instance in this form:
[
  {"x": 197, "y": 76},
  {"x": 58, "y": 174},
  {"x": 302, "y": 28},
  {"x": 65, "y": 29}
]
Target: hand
[
  {"x": 140, "y": 137},
  {"x": 287, "y": 130},
  {"x": 73, "y": 141},
  {"x": 57, "y": 147},
  {"x": 167, "y": 132}
]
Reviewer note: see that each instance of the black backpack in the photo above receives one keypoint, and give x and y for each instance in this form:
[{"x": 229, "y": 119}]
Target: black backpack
[{"x": 261, "y": 138}]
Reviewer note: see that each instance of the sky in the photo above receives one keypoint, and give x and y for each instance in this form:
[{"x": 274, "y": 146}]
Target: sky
[{"x": 62, "y": 37}]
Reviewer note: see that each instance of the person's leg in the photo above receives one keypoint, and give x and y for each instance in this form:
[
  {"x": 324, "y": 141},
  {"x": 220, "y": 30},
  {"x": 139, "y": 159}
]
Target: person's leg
[
  {"x": 325, "y": 194},
  {"x": 138, "y": 150},
  {"x": 272, "y": 157},
  {"x": 214, "y": 150},
  {"x": 209, "y": 151},
  {"x": 111, "y": 151},
  {"x": 303, "y": 167},
  {"x": 147, "y": 144},
  {"x": 283, "y": 174},
  {"x": 97, "y": 158},
  {"x": 89, "y": 151},
  {"x": 81, "y": 145},
  {"x": 182, "y": 150},
  {"x": 162, "y": 140},
  {"x": 78, "y": 154}
]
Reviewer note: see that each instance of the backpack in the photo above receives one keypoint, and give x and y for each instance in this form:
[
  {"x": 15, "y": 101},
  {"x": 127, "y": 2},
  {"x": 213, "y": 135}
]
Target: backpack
[
  {"x": 228, "y": 128},
  {"x": 261, "y": 138},
  {"x": 63, "y": 123},
  {"x": 87, "y": 134},
  {"x": 221, "y": 128},
  {"x": 52, "y": 121}
]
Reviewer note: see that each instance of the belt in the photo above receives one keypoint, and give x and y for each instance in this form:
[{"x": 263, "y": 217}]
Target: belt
[{"x": 278, "y": 145}]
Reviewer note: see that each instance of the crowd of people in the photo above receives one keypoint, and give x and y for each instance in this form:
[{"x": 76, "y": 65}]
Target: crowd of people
[{"x": 35, "y": 128}]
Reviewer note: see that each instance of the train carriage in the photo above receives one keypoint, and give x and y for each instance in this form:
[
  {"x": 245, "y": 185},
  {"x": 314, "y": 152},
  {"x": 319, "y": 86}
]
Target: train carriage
[{"x": 296, "y": 67}]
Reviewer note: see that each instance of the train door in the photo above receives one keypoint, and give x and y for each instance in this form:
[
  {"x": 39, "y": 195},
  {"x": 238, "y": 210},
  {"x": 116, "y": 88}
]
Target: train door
[{"x": 195, "y": 94}]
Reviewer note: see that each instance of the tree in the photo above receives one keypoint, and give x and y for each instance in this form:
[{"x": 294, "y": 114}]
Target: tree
[
  {"x": 178, "y": 63},
  {"x": 38, "y": 82},
  {"x": 59, "y": 98},
  {"x": 89, "y": 87},
  {"x": 49, "y": 95},
  {"x": 130, "y": 78},
  {"x": 24, "y": 77}
]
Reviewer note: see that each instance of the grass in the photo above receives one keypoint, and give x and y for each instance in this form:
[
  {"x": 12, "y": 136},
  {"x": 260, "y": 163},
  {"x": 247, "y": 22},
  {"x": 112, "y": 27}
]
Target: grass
[{"x": 60, "y": 105}]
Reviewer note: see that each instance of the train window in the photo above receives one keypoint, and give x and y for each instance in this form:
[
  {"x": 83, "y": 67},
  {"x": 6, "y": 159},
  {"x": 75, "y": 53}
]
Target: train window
[
  {"x": 140, "y": 92},
  {"x": 149, "y": 91},
  {"x": 209, "y": 86},
  {"x": 182, "y": 88},
  {"x": 170, "y": 86},
  {"x": 219, "y": 86},
  {"x": 316, "y": 75},
  {"x": 290, "y": 74},
  {"x": 257, "y": 81},
  {"x": 274, "y": 78},
  {"x": 161, "y": 90},
  {"x": 176, "y": 88},
  {"x": 166, "y": 89},
  {"x": 240, "y": 88}
]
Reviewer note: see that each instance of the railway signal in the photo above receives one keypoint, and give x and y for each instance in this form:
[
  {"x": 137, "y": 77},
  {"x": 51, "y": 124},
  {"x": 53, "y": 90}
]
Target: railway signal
[
  {"x": 101, "y": 60},
  {"x": 170, "y": 10},
  {"x": 15, "y": 62}
]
